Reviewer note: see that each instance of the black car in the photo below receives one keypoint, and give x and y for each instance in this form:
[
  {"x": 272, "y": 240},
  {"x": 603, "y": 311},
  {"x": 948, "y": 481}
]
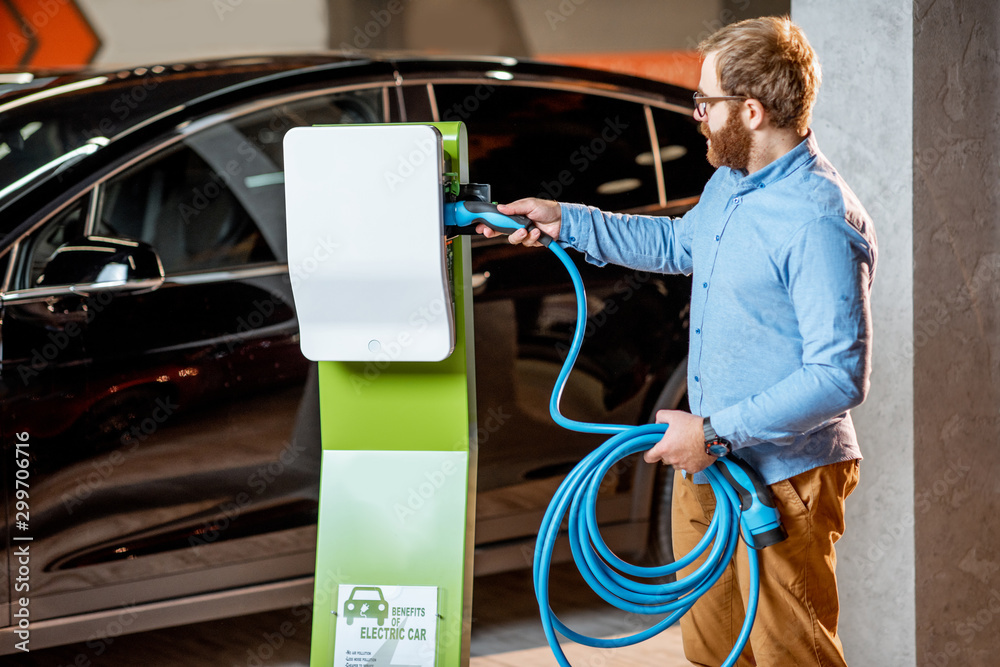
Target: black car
[{"x": 160, "y": 432}]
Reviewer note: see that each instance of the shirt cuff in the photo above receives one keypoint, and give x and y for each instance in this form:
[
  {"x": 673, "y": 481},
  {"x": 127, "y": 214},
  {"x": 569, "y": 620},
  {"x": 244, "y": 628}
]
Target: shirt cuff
[
  {"x": 576, "y": 229},
  {"x": 727, "y": 424}
]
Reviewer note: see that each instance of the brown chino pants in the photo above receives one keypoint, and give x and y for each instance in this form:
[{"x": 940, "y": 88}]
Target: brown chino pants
[{"x": 796, "y": 623}]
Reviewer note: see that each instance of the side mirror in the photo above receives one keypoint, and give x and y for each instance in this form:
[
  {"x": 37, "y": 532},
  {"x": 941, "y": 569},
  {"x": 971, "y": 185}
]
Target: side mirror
[{"x": 96, "y": 263}]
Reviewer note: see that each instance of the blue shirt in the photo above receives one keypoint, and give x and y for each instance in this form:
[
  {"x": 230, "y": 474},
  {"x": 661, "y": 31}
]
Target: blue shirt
[{"x": 780, "y": 340}]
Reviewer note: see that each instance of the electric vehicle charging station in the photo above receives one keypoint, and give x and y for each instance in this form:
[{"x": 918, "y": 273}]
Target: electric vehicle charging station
[
  {"x": 397, "y": 494},
  {"x": 387, "y": 314}
]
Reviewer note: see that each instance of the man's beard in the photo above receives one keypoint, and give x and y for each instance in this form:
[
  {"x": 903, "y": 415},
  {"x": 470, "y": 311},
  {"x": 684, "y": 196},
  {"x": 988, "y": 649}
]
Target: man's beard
[{"x": 730, "y": 146}]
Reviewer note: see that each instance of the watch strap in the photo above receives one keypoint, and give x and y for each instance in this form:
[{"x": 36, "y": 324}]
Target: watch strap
[
  {"x": 714, "y": 444},
  {"x": 710, "y": 434}
]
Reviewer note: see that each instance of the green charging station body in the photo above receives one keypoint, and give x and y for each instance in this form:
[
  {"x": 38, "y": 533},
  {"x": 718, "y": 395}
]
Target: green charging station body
[{"x": 394, "y": 549}]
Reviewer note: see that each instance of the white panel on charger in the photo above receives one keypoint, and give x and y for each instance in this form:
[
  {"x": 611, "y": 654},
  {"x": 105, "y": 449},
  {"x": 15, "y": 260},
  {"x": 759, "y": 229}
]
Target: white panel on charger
[{"x": 365, "y": 243}]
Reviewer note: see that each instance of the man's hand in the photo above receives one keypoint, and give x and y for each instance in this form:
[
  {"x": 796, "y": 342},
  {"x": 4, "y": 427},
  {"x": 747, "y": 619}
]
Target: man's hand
[
  {"x": 683, "y": 445},
  {"x": 546, "y": 215}
]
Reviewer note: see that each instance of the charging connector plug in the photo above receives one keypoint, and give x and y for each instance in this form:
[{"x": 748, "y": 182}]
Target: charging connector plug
[
  {"x": 462, "y": 218},
  {"x": 759, "y": 517}
]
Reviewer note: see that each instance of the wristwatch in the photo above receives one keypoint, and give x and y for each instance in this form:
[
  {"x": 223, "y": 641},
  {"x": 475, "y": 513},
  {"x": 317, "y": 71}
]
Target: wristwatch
[{"x": 715, "y": 445}]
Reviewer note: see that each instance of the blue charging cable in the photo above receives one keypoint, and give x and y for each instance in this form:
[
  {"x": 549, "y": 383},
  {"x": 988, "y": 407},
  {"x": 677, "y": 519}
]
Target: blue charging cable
[{"x": 744, "y": 506}]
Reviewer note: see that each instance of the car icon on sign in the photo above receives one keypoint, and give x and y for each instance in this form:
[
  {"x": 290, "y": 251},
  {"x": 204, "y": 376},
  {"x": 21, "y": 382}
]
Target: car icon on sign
[{"x": 366, "y": 602}]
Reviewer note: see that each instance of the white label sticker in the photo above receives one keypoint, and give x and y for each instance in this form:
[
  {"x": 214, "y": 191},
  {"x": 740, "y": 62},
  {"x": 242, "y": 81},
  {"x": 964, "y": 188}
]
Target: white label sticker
[{"x": 386, "y": 625}]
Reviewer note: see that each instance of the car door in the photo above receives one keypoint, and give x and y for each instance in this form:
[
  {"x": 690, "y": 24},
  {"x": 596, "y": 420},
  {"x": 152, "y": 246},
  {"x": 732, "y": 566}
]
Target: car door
[{"x": 175, "y": 429}]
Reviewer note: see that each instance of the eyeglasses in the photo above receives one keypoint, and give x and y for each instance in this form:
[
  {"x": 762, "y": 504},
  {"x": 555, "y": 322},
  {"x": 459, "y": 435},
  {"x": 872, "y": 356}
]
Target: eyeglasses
[{"x": 701, "y": 102}]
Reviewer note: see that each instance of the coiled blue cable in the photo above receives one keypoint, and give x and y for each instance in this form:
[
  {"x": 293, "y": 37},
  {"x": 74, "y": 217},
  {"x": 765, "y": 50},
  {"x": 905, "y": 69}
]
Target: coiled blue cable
[{"x": 605, "y": 572}]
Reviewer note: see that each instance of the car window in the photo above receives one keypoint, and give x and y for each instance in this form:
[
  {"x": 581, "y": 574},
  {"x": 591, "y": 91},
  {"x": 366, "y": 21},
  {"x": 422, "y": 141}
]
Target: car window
[
  {"x": 216, "y": 199},
  {"x": 682, "y": 152},
  {"x": 66, "y": 226},
  {"x": 180, "y": 205},
  {"x": 366, "y": 595},
  {"x": 553, "y": 144}
]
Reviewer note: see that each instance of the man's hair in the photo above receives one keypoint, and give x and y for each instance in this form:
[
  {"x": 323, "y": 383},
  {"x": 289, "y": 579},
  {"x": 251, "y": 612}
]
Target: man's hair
[{"x": 770, "y": 60}]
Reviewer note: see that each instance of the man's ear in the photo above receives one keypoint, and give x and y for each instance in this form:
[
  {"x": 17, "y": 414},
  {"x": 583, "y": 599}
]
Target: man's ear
[{"x": 753, "y": 113}]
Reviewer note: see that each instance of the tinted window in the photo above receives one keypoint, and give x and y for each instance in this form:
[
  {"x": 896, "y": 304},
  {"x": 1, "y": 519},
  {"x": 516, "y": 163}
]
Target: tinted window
[
  {"x": 66, "y": 226},
  {"x": 216, "y": 200},
  {"x": 554, "y": 144},
  {"x": 186, "y": 211},
  {"x": 682, "y": 151}
]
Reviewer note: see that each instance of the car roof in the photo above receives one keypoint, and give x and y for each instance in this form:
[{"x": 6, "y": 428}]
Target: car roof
[
  {"x": 128, "y": 95},
  {"x": 189, "y": 74},
  {"x": 146, "y": 100},
  {"x": 190, "y": 80}
]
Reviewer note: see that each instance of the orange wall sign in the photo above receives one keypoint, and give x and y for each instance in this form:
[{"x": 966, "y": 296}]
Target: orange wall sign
[
  {"x": 682, "y": 68},
  {"x": 45, "y": 33}
]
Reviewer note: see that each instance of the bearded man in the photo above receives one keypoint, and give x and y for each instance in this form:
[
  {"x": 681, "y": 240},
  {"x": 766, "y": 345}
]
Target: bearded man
[{"x": 782, "y": 256}]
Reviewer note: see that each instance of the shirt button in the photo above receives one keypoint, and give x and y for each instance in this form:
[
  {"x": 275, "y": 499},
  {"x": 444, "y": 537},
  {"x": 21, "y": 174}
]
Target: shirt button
[
  {"x": 718, "y": 236},
  {"x": 704, "y": 285},
  {"x": 736, "y": 200},
  {"x": 697, "y": 331},
  {"x": 572, "y": 239},
  {"x": 696, "y": 379}
]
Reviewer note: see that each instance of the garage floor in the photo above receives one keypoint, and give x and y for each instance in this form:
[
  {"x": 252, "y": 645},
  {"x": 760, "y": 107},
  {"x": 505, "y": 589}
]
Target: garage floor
[
  {"x": 506, "y": 631},
  {"x": 663, "y": 651}
]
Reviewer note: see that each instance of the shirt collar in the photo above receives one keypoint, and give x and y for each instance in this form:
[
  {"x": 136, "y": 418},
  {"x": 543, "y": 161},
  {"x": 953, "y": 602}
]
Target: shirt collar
[{"x": 804, "y": 151}]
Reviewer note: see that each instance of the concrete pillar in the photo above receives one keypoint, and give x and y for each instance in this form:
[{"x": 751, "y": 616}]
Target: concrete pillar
[{"x": 908, "y": 114}]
